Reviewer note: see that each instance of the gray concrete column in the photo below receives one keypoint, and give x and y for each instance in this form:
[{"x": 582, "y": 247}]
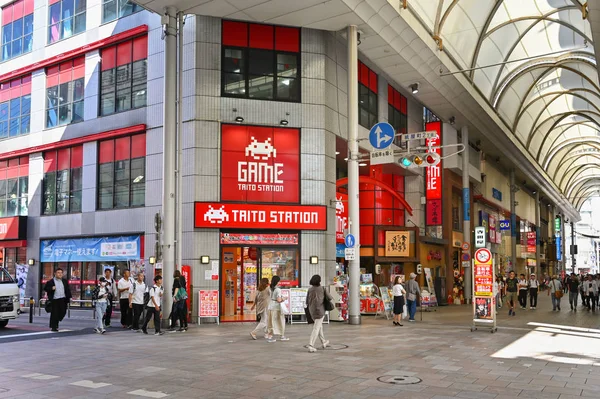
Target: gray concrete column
[
  {"x": 466, "y": 206},
  {"x": 573, "y": 260}
]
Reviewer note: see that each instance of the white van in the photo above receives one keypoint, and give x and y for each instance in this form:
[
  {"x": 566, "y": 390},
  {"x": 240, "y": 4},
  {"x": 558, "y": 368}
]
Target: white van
[{"x": 9, "y": 298}]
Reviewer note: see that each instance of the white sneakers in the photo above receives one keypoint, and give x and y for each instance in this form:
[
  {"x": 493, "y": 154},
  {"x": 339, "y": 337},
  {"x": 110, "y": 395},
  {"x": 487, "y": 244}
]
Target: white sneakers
[
  {"x": 312, "y": 349},
  {"x": 325, "y": 344}
]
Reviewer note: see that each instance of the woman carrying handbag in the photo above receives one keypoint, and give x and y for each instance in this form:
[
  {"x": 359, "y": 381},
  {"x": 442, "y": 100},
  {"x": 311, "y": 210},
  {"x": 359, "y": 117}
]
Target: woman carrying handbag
[
  {"x": 318, "y": 300},
  {"x": 276, "y": 313}
]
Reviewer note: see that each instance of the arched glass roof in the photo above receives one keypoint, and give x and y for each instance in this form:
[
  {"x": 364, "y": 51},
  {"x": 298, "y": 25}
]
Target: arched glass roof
[{"x": 540, "y": 77}]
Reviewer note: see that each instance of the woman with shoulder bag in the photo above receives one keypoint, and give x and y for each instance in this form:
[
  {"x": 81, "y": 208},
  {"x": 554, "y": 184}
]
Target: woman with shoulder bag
[
  {"x": 276, "y": 316},
  {"x": 316, "y": 299},
  {"x": 261, "y": 303},
  {"x": 556, "y": 292}
]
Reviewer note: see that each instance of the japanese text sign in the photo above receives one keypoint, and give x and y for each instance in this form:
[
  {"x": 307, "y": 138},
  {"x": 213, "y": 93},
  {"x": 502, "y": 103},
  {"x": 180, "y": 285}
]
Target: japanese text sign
[{"x": 90, "y": 249}]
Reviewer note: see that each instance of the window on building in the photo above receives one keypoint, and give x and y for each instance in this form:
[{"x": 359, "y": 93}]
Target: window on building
[
  {"x": 367, "y": 96},
  {"x": 260, "y": 61},
  {"x": 123, "y": 76},
  {"x": 113, "y": 9},
  {"x": 397, "y": 113},
  {"x": 428, "y": 117},
  {"x": 15, "y": 107},
  {"x": 17, "y": 29},
  {"x": 63, "y": 171},
  {"x": 121, "y": 172},
  {"x": 65, "y": 19},
  {"x": 65, "y": 92},
  {"x": 14, "y": 186}
]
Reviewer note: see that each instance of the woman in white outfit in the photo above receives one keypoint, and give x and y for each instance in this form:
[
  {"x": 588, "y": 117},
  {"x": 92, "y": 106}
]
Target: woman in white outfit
[
  {"x": 276, "y": 316},
  {"x": 261, "y": 303},
  {"x": 314, "y": 301}
]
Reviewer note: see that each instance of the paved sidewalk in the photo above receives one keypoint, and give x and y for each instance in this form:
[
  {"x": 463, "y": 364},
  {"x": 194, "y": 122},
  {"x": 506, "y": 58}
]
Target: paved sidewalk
[{"x": 535, "y": 354}]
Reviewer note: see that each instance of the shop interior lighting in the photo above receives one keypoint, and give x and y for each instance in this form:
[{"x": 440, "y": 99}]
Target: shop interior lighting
[
  {"x": 152, "y": 260},
  {"x": 362, "y": 164},
  {"x": 283, "y": 122},
  {"x": 414, "y": 88},
  {"x": 239, "y": 119},
  {"x": 31, "y": 262},
  {"x": 337, "y": 153},
  {"x": 205, "y": 259},
  {"x": 314, "y": 260}
]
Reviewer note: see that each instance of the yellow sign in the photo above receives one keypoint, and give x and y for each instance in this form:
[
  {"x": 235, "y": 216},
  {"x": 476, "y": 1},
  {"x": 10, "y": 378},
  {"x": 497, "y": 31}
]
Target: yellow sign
[{"x": 397, "y": 244}]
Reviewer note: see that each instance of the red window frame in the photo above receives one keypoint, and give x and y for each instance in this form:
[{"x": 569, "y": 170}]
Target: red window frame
[
  {"x": 260, "y": 36},
  {"x": 396, "y": 100},
  {"x": 15, "y": 168}
]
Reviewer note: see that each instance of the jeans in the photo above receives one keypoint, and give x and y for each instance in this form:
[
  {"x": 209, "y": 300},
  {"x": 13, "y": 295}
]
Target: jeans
[
  {"x": 138, "y": 309},
  {"x": 523, "y": 298},
  {"x": 412, "y": 308},
  {"x": 262, "y": 324},
  {"x": 533, "y": 294},
  {"x": 317, "y": 331},
  {"x": 573, "y": 296},
  {"x": 555, "y": 302},
  {"x": 152, "y": 312},
  {"x": 100, "y": 309}
]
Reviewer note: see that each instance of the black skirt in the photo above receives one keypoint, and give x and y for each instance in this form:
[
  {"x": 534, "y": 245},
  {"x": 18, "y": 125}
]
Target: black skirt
[{"x": 398, "y": 304}]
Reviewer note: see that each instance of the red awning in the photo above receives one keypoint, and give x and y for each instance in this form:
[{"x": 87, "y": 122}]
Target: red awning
[{"x": 13, "y": 244}]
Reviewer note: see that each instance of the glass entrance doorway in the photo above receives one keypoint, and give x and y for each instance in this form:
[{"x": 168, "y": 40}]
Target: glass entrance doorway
[{"x": 241, "y": 271}]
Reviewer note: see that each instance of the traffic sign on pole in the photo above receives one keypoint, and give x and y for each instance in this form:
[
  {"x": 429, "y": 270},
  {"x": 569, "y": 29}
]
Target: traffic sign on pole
[
  {"x": 381, "y": 135},
  {"x": 350, "y": 241}
]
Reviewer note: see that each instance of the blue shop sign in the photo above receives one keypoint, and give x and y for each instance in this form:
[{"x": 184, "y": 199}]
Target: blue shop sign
[
  {"x": 95, "y": 249},
  {"x": 340, "y": 250},
  {"x": 497, "y": 194}
]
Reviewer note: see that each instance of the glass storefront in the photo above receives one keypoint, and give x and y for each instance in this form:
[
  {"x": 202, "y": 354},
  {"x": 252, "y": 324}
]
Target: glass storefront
[{"x": 10, "y": 257}]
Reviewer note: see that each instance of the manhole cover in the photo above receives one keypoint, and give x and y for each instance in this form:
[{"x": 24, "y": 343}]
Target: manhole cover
[
  {"x": 332, "y": 347},
  {"x": 399, "y": 380}
]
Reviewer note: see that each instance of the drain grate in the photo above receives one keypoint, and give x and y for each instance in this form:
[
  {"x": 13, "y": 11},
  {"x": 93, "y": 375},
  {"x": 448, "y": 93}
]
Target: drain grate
[{"x": 399, "y": 380}]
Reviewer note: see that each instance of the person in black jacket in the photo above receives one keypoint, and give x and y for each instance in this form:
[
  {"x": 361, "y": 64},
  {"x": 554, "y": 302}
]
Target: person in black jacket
[{"x": 59, "y": 296}]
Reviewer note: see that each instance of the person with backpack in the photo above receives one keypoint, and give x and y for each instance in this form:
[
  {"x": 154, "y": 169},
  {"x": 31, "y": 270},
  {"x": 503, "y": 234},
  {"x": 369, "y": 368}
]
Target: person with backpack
[
  {"x": 138, "y": 296},
  {"x": 153, "y": 306},
  {"x": 100, "y": 295},
  {"x": 315, "y": 302},
  {"x": 112, "y": 293},
  {"x": 179, "y": 305}
]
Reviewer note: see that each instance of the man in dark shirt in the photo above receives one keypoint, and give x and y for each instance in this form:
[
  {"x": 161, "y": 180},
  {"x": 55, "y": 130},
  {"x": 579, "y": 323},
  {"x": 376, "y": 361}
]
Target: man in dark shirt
[
  {"x": 573, "y": 288},
  {"x": 512, "y": 286}
]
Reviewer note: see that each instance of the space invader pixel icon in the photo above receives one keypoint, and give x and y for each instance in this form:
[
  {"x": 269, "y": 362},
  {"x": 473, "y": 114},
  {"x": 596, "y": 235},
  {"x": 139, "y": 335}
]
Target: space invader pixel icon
[
  {"x": 216, "y": 216},
  {"x": 339, "y": 206},
  {"x": 262, "y": 150}
]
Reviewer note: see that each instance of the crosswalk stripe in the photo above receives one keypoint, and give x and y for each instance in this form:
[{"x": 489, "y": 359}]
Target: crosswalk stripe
[
  {"x": 38, "y": 376},
  {"x": 32, "y": 334},
  {"x": 148, "y": 394},
  {"x": 90, "y": 384}
]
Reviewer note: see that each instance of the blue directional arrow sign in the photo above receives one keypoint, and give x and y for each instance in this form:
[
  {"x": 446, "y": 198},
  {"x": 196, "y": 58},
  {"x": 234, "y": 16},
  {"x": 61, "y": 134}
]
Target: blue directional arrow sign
[
  {"x": 381, "y": 135},
  {"x": 350, "y": 241}
]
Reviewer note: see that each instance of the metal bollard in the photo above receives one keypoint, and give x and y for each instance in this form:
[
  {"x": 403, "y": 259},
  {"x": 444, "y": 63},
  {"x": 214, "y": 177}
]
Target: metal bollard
[{"x": 31, "y": 309}]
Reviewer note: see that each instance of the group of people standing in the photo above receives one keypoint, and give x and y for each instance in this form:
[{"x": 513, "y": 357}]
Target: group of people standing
[
  {"x": 134, "y": 297},
  {"x": 405, "y": 297},
  {"x": 587, "y": 286},
  {"x": 270, "y": 312},
  {"x": 515, "y": 289}
]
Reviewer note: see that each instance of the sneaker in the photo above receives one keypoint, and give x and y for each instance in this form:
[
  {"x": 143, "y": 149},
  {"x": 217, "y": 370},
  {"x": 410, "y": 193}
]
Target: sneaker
[
  {"x": 145, "y": 331},
  {"x": 182, "y": 330},
  {"x": 510, "y": 312},
  {"x": 514, "y": 313},
  {"x": 267, "y": 336},
  {"x": 253, "y": 336},
  {"x": 136, "y": 331},
  {"x": 271, "y": 340},
  {"x": 325, "y": 344},
  {"x": 411, "y": 320},
  {"x": 312, "y": 349},
  {"x": 159, "y": 333},
  {"x": 97, "y": 331},
  {"x": 284, "y": 338},
  {"x": 103, "y": 331},
  {"x": 107, "y": 325}
]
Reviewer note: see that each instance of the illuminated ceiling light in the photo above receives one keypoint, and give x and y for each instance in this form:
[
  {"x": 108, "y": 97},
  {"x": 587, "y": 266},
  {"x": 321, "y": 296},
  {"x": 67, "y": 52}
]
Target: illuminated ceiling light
[
  {"x": 362, "y": 164},
  {"x": 138, "y": 179},
  {"x": 346, "y": 159},
  {"x": 414, "y": 88},
  {"x": 239, "y": 119},
  {"x": 337, "y": 153},
  {"x": 283, "y": 122}
]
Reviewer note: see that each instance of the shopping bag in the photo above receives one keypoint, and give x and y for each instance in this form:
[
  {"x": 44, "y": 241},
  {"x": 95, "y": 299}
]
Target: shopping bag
[
  {"x": 284, "y": 308},
  {"x": 404, "y": 311}
]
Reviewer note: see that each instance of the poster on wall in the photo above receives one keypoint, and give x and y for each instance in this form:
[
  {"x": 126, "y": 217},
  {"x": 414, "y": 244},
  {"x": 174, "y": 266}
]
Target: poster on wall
[
  {"x": 260, "y": 164},
  {"x": 397, "y": 243},
  {"x": 208, "y": 303},
  {"x": 298, "y": 300},
  {"x": 22, "y": 271},
  {"x": 341, "y": 216},
  {"x": 95, "y": 249}
]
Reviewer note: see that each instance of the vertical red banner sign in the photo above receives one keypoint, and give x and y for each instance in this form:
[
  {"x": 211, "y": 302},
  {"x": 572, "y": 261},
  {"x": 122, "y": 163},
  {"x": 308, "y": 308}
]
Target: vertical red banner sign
[
  {"x": 186, "y": 272},
  {"x": 341, "y": 216},
  {"x": 433, "y": 190}
]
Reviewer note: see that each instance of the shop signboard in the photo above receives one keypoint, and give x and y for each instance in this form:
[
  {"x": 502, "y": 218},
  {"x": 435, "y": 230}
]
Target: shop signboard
[
  {"x": 260, "y": 164},
  {"x": 298, "y": 300},
  {"x": 397, "y": 244},
  {"x": 531, "y": 241},
  {"x": 256, "y": 216},
  {"x": 13, "y": 228},
  {"x": 433, "y": 188},
  {"x": 497, "y": 194},
  {"x": 483, "y": 288},
  {"x": 341, "y": 216},
  {"x": 208, "y": 303},
  {"x": 480, "y": 237},
  {"x": 340, "y": 250},
  {"x": 492, "y": 228},
  {"x": 95, "y": 249},
  {"x": 385, "y": 298},
  {"x": 350, "y": 253},
  {"x": 258, "y": 239},
  {"x": 505, "y": 225}
]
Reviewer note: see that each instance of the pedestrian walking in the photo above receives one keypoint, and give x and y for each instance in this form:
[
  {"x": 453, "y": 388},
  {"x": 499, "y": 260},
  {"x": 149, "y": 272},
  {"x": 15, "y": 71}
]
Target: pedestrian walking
[
  {"x": 556, "y": 292},
  {"x": 100, "y": 295},
  {"x": 59, "y": 295},
  {"x": 512, "y": 285},
  {"x": 137, "y": 293},
  {"x": 572, "y": 287},
  {"x": 276, "y": 316},
  {"x": 522, "y": 291},
  {"x": 123, "y": 287},
  {"x": 261, "y": 304},
  {"x": 153, "y": 307},
  {"x": 533, "y": 291},
  {"x": 179, "y": 298},
  {"x": 315, "y": 299},
  {"x": 399, "y": 292},
  {"x": 111, "y": 285},
  {"x": 183, "y": 308},
  {"x": 412, "y": 291},
  {"x": 591, "y": 291}
]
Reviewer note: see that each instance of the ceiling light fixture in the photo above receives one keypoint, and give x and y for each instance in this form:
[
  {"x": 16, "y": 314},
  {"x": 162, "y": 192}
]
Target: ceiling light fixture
[
  {"x": 414, "y": 88},
  {"x": 283, "y": 122},
  {"x": 239, "y": 119},
  {"x": 337, "y": 153},
  {"x": 362, "y": 164}
]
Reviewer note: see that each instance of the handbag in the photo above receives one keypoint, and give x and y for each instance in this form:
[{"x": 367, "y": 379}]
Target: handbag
[
  {"x": 411, "y": 296},
  {"x": 329, "y": 306},
  {"x": 557, "y": 293},
  {"x": 48, "y": 306},
  {"x": 284, "y": 308}
]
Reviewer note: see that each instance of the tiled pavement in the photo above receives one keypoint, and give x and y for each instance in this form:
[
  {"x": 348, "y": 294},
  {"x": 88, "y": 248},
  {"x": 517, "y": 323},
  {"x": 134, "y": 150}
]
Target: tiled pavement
[{"x": 536, "y": 354}]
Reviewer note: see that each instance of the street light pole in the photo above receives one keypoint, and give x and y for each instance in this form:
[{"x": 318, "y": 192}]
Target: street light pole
[{"x": 353, "y": 204}]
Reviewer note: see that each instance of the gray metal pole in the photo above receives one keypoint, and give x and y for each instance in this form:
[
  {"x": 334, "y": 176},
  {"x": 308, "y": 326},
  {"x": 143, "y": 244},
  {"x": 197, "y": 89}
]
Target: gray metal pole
[
  {"x": 466, "y": 207},
  {"x": 538, "y": 231},
  {"x": 353, "y": 205},
  {"x": 573, "y": 261},
  {"x": 169, "y": 155},
  {"x": 514, "y": 230},
  {"x": 179, "y": 219}
]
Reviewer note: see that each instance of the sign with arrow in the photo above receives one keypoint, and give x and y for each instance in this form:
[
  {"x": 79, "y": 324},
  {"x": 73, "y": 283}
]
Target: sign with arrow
[{"x": 381, "y": 135}]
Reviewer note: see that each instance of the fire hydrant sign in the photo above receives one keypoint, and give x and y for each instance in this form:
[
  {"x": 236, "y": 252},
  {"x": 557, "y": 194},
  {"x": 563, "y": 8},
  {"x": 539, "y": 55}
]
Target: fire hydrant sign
[{"x": 484, "y": 300}]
